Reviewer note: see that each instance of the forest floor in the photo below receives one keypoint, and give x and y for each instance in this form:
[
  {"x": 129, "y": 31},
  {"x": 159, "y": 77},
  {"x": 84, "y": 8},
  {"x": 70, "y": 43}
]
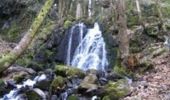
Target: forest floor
[{"x": 154, "y": 84}]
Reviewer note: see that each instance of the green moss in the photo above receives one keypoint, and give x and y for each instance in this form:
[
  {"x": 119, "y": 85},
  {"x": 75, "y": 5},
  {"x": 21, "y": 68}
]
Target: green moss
[
  {"x": 67, "y": 24},
  {"x": 57, "y": 83},
  {"x": 152, "y": 30},
  {"x": 122, "y": 71},
  {"x": 19, "y": 78},
  {"x": 132, "y": 20},
  {"x": 72, "y": 97},
  {"x": 68, "y": 71},
  {"x": 144, "y": 67},
  {"x": 31, "y": 95},
  {"x": 135, "y": 45},
  {"x": 10, "y": 58},
  {"x": 116, "y": 90},
  {"x": 106, "y": 98}
]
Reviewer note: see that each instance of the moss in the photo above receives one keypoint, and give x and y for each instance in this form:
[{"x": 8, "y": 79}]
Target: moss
[
  {"x": 135, "y": 45},
  {"x": 68, "y": 71},
  {"x": 116, "y": 90},
  {"x": 72, "y": 97},
  {"x": 67, "y": 24},
  {"x": 152, "y": 30},
  {"x": 132, "y": 20},
  {"x": 144, "y": 67},
  {"x": 10, "y": 58},
  {"x": 57, "y": 84},
  {"x": 19, "y": 78},
  {"x": 106, "y": 98},
  {"x": 13, "y": 32},
  {"x": 31, "y": 95}
]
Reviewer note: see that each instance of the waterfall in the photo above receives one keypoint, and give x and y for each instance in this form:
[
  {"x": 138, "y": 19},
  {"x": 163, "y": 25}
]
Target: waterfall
[
  {"x": 80, "y": 26},
  {"x": 90, "y": 52}
]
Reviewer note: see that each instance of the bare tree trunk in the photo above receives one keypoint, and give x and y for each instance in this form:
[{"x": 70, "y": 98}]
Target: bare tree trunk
[
  {"x": 79, "y": 13},
  {"x": 61, "y": 8},
  {"x": 10, "y": 58},
  {"x": 139, "y": 11},
  {"x": 85, "y": 8},
  {"x": 122, "y": 27},
  {"x": 90, "y": 9}
]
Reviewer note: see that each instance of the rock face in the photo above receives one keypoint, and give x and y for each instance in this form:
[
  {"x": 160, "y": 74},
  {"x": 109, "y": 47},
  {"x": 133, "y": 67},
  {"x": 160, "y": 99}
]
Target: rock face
[{"x": 63, "y": 47}]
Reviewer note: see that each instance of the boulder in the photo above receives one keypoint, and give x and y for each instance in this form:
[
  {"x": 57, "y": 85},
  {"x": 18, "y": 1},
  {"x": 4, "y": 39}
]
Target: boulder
[
  {"x": 89, "y": 84},
  {"x": 67, "y": 71},
  {"x": 57, "y": 84},
  {"x": 116, "y": 90}
]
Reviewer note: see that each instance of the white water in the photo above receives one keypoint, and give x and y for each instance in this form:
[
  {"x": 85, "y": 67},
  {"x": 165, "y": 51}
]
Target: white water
[
  {"x": 91, "y": 52},
  {"x": 13, "y": 94},
  {"x": 81, "y": 26}
]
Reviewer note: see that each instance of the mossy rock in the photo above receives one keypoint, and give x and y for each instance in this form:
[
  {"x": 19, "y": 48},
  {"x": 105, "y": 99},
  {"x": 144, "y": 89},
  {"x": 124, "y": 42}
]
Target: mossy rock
[
  {"x": 57, "y": 84},
  {"x": 106, "y": 98},
  {"x": 122, "y": 71},
  {"x": 67, "y": 71},
  {"x": 67, "y": 24},
  {"x": 152, "y": 30},
  {"x": 116, "y": 90},
  {"x": 72, "y": 97},
  {"x": 31, "y": 95},
  {"x": 19, "y": 78}
]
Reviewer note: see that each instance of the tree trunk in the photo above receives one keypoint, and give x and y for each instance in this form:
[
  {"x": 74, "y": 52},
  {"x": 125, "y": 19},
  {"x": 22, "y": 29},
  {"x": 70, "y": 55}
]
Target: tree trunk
[
  {"x": 79, "y": 13},
  {"x": 90, "y": 9},
  {"x": 10, "y": 58},
  {"x": 122, "y": 27},
  {"x": 139, "y": 11},
  {"x": 61, "y": 8}
]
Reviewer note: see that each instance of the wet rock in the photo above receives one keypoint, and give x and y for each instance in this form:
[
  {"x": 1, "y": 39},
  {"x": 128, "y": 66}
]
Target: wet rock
[
  {"x": 63, "y": 47},
  {"x": 11, "y": 84},
  {"x": 68, "y": 71},
  {"x": 3, "y": 89},
  {"x": 20, "y": 77},
  {"x": 89, "y": 84},
  {"x": 19, "y": 69},
  {"x": 57, "y": 84},
  {"x": 45, "y": 83},
  {"x": 34, "y": 95}
]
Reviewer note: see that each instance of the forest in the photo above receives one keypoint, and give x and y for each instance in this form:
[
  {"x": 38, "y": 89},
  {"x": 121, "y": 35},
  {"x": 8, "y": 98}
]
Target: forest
[{"x": 84, "y": 49}]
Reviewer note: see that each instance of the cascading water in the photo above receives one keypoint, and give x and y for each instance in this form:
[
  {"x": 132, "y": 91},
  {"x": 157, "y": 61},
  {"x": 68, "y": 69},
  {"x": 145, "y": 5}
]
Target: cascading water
[
  {"x": 90, "y": 52},
  {"x": 15, "y": 93}
]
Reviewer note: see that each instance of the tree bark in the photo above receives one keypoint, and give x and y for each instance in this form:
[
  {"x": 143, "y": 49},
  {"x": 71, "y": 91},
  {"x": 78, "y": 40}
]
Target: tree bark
[
  {"x": 79, "y": 12},
  {"x": 10, "y": 58},
  {"x": 122, "y": 27},
  {"x": 61, "y": 8},
  {"x": 139, "y": 11}
]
